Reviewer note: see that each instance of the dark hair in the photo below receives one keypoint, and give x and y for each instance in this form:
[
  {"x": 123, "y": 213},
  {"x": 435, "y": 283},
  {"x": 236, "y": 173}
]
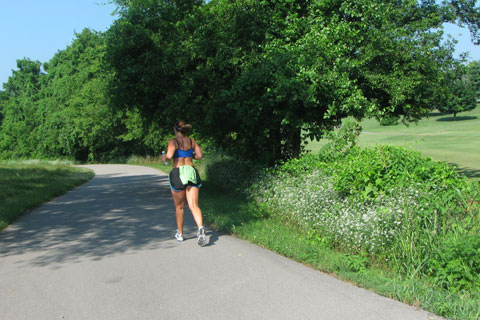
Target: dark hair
[{"x": 183, "y": 127}]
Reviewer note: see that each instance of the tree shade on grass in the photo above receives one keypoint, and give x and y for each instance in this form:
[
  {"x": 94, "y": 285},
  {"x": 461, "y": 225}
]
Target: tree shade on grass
[{"x": 26, "y": 185}]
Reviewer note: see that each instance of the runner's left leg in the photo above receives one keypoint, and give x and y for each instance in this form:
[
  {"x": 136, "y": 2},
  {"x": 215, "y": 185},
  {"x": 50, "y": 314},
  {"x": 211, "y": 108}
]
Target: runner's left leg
[{"x": 179, "y": 200}]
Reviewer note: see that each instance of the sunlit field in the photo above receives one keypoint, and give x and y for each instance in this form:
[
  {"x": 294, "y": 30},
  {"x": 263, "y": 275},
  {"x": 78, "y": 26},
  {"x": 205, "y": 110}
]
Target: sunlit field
[{"x": 440, "y": 136}]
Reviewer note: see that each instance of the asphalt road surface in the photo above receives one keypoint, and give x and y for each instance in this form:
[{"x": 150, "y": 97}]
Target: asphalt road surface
[{"x": 106, "y": 250}]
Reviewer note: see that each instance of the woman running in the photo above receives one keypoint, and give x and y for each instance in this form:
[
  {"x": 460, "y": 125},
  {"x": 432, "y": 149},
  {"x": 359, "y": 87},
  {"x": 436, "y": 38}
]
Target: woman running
[{"x": 185, "y": 181}]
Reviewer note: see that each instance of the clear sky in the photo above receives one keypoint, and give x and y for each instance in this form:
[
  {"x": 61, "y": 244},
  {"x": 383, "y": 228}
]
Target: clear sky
[{"x": 37, "y": 29}]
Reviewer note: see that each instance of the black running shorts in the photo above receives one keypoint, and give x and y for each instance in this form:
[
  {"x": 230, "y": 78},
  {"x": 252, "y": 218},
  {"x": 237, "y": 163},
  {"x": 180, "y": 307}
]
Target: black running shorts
[{"x": 177, "y": 185}]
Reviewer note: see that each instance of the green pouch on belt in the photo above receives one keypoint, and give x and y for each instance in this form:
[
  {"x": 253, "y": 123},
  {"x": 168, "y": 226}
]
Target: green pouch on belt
[{"x": 188, "y": 174}]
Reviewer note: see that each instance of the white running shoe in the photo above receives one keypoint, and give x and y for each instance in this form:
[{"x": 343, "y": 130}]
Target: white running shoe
[
  {"x": 201, "y": 239},
  {"x": 179, "y": 236}
]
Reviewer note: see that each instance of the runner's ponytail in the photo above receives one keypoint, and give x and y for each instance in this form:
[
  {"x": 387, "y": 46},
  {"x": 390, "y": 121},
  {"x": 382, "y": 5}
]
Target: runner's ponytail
[{"x": 183, "y": 127}]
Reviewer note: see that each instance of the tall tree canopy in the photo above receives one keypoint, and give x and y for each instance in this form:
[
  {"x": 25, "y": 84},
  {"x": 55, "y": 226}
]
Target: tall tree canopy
[
  {"x": 260, "y": 76},
  {"x": 146, "y": 52},
  {"x": 21, "y": 125},
  {"x": 256, "y": 77},
  {"x": 64, "y": 111},
  {"x": 473, "y": 74},
  {"x": 463, "y": 92}
]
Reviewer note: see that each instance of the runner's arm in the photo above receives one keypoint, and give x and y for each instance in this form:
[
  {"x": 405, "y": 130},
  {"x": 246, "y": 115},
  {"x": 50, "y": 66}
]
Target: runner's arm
[
  {"x": 198, "y": 151},
  {"x": 171, "y": 149}
]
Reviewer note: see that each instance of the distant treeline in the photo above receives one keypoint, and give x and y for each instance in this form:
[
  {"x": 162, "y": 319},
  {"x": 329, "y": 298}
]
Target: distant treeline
[{"x": 255, "y": 78}]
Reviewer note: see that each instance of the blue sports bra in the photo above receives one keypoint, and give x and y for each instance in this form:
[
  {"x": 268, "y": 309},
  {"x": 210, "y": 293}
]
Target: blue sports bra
[{"x": 179, "y": 153}]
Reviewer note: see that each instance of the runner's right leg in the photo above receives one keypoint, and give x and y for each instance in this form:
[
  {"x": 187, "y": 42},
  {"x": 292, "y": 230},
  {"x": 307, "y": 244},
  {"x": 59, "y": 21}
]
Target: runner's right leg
[{"x": 192, "y": 198}]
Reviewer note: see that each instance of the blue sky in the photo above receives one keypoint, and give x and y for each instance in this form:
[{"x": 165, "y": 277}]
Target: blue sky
[{"x": 37, "y": 29}]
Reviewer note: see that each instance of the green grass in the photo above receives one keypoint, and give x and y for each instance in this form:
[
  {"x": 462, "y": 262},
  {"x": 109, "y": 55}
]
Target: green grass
[
  {"x": 24, "y": 185},
  {"x": 234, "y": 214},
  {"x": 439, "y": 137}
]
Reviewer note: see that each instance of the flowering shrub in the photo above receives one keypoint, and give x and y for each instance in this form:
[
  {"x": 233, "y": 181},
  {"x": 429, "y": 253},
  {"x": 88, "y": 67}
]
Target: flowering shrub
[
  {"x": 387, "y": 202},
  {"x": 311, "y": 202}
]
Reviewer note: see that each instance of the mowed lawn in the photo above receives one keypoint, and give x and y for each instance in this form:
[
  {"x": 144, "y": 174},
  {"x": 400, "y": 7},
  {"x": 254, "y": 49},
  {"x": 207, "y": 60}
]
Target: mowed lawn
[{"x": 440, "y": 137}]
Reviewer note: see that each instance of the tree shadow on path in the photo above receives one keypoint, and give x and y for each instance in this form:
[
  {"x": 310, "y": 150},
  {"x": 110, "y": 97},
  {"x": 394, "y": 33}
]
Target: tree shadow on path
[{"x": 107, "y": 216}]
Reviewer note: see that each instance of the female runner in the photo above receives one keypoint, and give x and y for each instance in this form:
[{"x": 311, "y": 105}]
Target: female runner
[{"x": 185, "y": 181}]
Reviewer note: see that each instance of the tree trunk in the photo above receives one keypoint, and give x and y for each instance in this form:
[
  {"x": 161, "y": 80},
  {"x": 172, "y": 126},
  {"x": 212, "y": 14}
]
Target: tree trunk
[
  {"x": 276, "y": 142},
  {"x": 296, "y": 142}
]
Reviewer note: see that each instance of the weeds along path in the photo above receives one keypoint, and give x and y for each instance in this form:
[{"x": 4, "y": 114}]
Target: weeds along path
[{"x": 106, "y": 251}]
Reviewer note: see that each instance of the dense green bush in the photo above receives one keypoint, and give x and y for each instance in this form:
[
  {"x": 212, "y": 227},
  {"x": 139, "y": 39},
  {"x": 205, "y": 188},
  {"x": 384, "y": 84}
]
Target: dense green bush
[
  {"x": 227, "y": 173},
  {"x": 388, "y": 203},
  {"x": 456, "y": 264},
  {"x": 372, "y": 171},
  {"x": 389, "y": 121}
]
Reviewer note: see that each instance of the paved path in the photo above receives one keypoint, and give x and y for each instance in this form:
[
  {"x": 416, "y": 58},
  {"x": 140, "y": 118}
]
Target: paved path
[{"x": 106, "y": 251}]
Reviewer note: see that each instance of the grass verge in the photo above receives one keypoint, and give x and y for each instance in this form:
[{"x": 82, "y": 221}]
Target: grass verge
[
  {"x": 233, "y": 213},
  {"x": 24, "y": 185}
]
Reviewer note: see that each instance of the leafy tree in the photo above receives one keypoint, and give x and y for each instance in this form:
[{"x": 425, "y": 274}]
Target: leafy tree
[
  {"x": 79, "y": 121},
  {"x": 310, "y": 65},
  {"x": 463, "y": 96},
  {"x": 18, "y": 134},
  {"x": 146, "y": 52},
  {"x": 473, "y": 74},
  {"x": 259, "y": 77},
  {"x": 64, "y": 112},
  {"x": 3, "y": 100}
]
